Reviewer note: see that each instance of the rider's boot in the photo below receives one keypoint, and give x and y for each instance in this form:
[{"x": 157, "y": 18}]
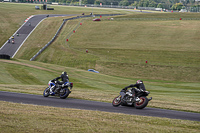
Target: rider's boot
[
  {"x": 51, "y": 90},
  {"x": 137, "y": 99},
  {"x": 63, "y": 85}
]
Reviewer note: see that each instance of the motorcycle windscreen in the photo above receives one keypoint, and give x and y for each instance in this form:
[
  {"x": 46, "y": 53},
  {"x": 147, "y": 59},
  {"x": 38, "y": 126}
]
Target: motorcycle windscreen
[{"x": 122, "y": 94}]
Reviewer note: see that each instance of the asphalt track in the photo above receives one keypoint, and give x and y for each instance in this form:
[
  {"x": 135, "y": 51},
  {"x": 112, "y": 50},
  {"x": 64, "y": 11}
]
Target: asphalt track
[
  {"x": 94, "y": 105},
  {"x": 24, "y": 31}
]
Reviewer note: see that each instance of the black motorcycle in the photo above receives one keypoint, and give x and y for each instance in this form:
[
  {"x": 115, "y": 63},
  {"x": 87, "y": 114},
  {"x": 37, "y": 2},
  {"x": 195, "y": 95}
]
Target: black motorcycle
[
  {"x": 127, "y": 98},
  {"x": 62, "y": 91}
]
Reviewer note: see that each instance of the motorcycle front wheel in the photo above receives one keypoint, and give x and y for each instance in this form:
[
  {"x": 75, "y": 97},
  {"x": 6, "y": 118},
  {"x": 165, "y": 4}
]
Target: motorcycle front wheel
[
  {"x": 46, "y": 92},
  {"x": 142, "y": 103},
  {"x": 117, "y": 101},
  {"x": 64, "y": 93}
]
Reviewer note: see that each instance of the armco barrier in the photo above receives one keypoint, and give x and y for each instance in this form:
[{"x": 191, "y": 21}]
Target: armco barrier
[
  {"x": 40, "y": 51},
  {"x": 64, "y": 21}
]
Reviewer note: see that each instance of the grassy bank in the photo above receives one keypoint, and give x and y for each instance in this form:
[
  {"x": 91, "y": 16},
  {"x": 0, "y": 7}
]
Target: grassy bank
[
  {"x": 121, "y": 48},
  {"x": 13, "y": 15},
  {"x": 32, "y": 77},
  {"x": 33, "y": 118}
]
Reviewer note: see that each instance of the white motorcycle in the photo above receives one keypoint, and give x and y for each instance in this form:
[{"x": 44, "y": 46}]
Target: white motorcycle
[{"x": 62, "y": 91}]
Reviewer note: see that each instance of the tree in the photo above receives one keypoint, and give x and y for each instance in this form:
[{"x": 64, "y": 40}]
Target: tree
[
  {"x": 68, "y": 1},
  {"x": 146, "y": 3},
  {"x": 152, "y": 4},
  {"x": 177, "y": 6},
  {"x": 134, "y": 4},
  {"x": 124, "y": 3},
  {"x": 97, "y": 2},
  {"x": 141, "y": 3},
  {"x": 159, "y": 5}
]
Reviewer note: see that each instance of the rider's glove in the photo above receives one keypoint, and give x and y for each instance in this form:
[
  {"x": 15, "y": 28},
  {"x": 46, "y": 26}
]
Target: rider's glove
[
  {"x": 125, "y": 89},
  {"x": 63, "y": 85}
]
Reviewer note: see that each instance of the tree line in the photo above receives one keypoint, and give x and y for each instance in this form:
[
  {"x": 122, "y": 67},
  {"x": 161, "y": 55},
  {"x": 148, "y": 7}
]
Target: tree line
[{"x": 165, "y": 4}]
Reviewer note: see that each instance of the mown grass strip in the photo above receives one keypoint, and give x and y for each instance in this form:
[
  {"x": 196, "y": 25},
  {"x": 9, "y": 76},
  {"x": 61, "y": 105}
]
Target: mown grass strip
[{"x": 33, "y": 118}]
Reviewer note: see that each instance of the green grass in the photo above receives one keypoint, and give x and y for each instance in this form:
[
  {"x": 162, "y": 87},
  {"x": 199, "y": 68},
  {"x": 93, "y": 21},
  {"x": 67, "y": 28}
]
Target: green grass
[
  {"x": 33, "y": 118},
  {"x": 171, "y": 48},
  {"x": 166, "y": 15},
  {"x": 32, "y": 77}
]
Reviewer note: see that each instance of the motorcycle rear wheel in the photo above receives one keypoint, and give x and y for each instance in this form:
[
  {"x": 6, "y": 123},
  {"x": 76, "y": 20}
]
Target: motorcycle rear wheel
[
  {"x": 117, "y": 101},
  {"x": 142, "y": 103},
  {"x": 46, "y": 92},
  {"x": 65, "y": 93}
]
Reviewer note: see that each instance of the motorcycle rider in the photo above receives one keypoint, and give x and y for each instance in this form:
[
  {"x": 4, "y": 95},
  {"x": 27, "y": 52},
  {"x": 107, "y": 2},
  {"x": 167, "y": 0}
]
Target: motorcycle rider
[
  {"x": 64, "y": 77},
  {"x": 139, "y": 85},
  {"x": 13, "y": 41}
]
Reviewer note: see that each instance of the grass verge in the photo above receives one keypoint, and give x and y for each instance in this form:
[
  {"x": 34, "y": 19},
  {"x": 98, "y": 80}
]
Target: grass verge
[{"x": 33, "y": 118}]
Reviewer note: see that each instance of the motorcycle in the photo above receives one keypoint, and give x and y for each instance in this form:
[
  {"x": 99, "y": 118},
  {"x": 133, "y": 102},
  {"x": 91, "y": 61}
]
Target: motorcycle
[
  {"x": 127, "y": 98},
  {"x": 62, "y": 91}
]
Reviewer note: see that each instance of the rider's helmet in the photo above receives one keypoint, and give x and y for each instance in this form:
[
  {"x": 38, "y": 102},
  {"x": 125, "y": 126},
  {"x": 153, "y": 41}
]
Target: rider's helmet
[
  {"x": 64, "y": 73},
  {"x": 139, "y": 82}
]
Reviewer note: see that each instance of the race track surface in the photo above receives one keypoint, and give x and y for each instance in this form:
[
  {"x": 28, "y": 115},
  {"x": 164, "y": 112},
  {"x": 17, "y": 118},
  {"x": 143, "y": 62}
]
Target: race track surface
[
  {"x": 24, "y": 31},
  {"x": 93, "y": 105}
]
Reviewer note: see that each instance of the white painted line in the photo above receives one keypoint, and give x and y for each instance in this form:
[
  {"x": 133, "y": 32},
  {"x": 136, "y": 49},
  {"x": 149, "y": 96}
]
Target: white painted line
[
  {"x": 26, "y": 38},
  {"x": 16, "y": 32}
]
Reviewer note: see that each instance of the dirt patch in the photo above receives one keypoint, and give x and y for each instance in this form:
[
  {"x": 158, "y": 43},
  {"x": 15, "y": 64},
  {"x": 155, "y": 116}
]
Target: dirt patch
[{"x": 24, "y": 64}]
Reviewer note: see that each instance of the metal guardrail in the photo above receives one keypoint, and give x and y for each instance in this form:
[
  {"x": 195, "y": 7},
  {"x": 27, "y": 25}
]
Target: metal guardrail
[
  {"x": 64, "y": 21},
  {"x": 41, "y": 50}
]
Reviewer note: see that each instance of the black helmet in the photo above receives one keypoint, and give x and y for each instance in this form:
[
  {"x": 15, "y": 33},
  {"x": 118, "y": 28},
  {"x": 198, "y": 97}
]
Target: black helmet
[{"x": 139, "y": 82}]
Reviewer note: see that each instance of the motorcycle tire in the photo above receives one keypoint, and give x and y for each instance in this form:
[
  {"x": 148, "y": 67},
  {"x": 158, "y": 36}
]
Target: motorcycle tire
[
  {"x": 46, "y": 92},
  {"x": 117, "y": 102},
  {"x": 65, "y": 93},
  {"x": 142, "y": 103}
]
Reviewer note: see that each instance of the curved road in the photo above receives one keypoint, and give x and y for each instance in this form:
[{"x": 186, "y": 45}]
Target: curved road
[
  {"x": 24, "y": 31},
  {"x": 93, "y": 105}
]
